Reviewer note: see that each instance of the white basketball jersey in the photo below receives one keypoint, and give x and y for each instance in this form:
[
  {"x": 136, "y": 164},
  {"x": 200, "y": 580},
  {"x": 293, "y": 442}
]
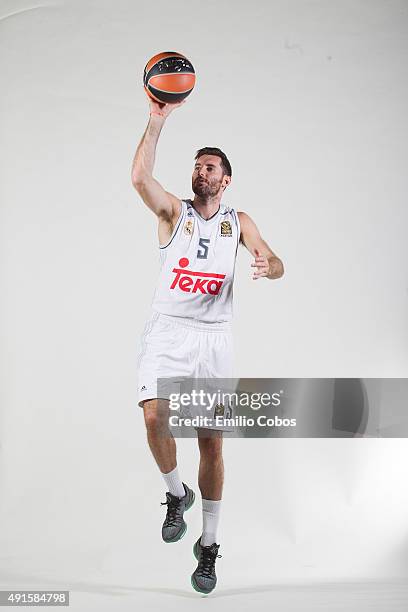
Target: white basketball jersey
[{"x": 197, "y": 266}]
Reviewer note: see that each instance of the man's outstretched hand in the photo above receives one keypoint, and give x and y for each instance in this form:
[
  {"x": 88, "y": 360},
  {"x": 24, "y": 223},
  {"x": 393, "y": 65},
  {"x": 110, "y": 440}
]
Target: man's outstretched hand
[
  {"x": 161, "y": 109},
  {"x": 262, "y": 265}
]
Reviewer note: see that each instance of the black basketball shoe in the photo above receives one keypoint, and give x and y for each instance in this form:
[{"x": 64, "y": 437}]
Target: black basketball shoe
[
  {"x": 174, "y": 526},
  {"x": 204, "y": 578}
]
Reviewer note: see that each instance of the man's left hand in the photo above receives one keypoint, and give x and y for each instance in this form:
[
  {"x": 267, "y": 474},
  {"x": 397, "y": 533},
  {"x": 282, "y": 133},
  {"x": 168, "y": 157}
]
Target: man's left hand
[{"x": 262, "y": 265}]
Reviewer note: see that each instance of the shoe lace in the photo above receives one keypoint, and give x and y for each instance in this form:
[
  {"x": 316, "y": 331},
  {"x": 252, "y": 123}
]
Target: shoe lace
[
  {"x": 207, "y": 561},
  {"x": 173, "y": 505}
]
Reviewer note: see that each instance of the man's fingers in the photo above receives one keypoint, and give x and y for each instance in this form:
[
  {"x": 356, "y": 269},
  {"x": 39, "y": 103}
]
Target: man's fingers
[
  {"x": 262, "y": 265},
  {"x": 262, "y": 274}
]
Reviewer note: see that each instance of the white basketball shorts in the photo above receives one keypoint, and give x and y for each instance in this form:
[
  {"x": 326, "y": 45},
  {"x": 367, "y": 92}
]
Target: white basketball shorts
[{"x": 182, "y": 347}]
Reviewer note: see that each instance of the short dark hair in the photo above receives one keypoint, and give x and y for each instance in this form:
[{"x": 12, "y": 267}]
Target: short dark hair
[{"x": 225, "y": 165}]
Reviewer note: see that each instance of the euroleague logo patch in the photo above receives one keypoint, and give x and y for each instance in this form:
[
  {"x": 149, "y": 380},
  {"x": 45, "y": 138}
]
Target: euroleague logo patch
[
  {"x": 196, "y": 282},
  {"x": 226, "y": 229}
]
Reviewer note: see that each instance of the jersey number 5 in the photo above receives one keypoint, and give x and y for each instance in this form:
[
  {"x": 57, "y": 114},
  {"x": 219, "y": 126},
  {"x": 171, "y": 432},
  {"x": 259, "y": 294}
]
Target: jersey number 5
[{"x": 203, "y": 254}]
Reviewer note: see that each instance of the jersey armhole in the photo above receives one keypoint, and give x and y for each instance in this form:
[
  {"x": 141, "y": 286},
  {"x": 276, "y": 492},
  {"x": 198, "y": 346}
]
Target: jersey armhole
[
  {"x": 182, "y": 208},
  {"x": 239, "y": 229}
]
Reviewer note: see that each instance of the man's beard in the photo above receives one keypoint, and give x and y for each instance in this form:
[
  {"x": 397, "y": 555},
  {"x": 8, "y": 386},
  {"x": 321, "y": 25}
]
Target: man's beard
[{"x": 206, "y": 190}]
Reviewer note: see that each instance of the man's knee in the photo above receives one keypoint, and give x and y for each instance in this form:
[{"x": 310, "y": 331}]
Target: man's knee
[{"x": 155, "y": 415}]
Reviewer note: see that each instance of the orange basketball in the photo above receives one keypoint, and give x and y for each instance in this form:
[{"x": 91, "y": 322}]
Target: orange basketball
[{"x": 169, "y": 77}]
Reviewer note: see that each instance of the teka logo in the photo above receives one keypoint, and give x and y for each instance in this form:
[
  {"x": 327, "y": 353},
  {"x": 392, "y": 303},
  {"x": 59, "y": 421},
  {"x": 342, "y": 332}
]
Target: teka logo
[{"x": 196, "y": 282}]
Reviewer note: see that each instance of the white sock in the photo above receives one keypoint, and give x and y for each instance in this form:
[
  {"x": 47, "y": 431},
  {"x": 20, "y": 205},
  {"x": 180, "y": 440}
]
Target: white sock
[
  {"x": 173, "y": 482},
  {"x": 211, "y": 517}
]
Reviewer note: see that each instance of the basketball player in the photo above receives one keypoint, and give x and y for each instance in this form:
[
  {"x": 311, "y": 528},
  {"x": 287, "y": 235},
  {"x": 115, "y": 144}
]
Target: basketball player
[{"x": 188, "y": 333}]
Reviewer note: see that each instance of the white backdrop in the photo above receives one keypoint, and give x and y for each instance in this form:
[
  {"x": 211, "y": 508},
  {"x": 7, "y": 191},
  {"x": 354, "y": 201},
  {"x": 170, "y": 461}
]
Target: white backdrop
[{"x": 308, "y": 99}]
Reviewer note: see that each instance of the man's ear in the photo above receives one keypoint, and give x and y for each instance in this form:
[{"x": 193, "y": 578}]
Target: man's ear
[{"x": 227, "y": 181}]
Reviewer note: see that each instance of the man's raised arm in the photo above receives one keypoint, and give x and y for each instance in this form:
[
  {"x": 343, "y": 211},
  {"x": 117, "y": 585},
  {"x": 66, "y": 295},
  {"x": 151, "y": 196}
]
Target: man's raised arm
[{"x": 164, "y": 204}]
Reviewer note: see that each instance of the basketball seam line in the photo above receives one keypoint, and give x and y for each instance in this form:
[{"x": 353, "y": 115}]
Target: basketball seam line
[
  {"x": 176, "y": 93},
  {"x": 169, "y": 74}
]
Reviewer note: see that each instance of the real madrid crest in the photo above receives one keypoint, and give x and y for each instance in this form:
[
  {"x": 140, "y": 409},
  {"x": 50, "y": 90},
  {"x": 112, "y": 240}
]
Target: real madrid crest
[
  {"x": 219, "y": 410},
  {"x": 189, "y": 227},
  {"x": 226, "y": 229}
]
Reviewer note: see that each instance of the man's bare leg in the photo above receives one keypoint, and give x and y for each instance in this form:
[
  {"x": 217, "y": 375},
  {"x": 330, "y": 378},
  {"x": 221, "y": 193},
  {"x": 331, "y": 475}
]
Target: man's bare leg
[
  {"x": 163, "y": 446},
  {"x": 211, "y": 470},
  {"x": 159, "y": 436}
]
